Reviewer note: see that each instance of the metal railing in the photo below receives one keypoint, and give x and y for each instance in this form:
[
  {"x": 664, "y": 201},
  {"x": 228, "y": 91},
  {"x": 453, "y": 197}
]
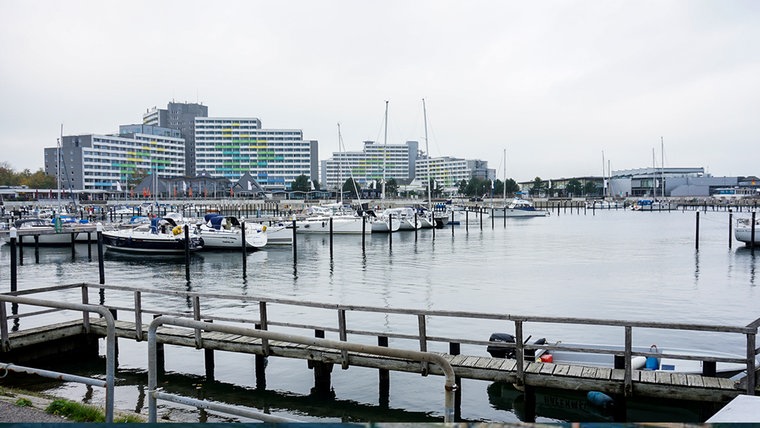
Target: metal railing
[
  {"x": 153, "y": 394},
  {"x": 420, "y": 335},
  {"x": 85, "y": 309}
]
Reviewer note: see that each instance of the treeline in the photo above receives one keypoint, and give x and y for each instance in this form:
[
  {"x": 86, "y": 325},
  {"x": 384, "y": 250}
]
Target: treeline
[{"x": 33, "y": 180}]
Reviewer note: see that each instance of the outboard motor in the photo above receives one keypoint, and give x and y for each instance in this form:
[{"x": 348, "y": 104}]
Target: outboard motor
[{"x": 500, "y": 351}]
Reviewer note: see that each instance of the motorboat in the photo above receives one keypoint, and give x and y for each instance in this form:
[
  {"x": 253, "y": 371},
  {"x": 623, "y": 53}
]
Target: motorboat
[
  {"x": 602, "y": 205},
  {"x": 226, "y": 233},
  {"x": 407, "y": 216},
  {"x": 462, "y": 215},
  {"x": 743, "y": 231},
  {"x": 612, "y": 356},
  {"x": 278, "y": 234},
  {"x": 164, "y": 235},
  {"x": 51, "y": 232},
  {"x": 519, "y": 207}
]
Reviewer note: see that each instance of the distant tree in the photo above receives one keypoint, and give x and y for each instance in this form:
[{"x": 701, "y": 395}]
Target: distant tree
[
  {"x": 512, "y": 186},
  {"x": 352, "y": 187},
  {"x": 590, "y": 189},
  {"x": 462, "y": 187},
  {"x": 391, "y": 187},
  {"x": 7, "y": 175},
  {"x": 39, "y": 180},
  {"x": 539, "y": 186},
  {"x": 315, "y": 183},
  {"x": 574, "y": 187},
  {"x": 301, "y": 184}
]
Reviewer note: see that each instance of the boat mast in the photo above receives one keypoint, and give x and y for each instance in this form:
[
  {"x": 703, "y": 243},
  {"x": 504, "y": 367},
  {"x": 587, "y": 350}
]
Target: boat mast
[
  {"x": 662, "y": 166},
  {"x": 385, "y": 142},
  {"x": 58, "y": 169},
  {"x": 340, "y": 171},
  {"x": 427, "y": 151},
  {"x": 504, "y": 185},
  {"x": 654, "y": 177},
  {"x": 604, "y": 179}
]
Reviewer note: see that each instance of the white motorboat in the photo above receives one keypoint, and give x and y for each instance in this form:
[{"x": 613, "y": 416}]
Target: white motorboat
[
  {"x": 226, "y": 233},
  {"x": 615, "y": 359},
  {"x": 743, "y": 231},
  {"x": 279, "y": 234},
  {"x": 161, "y": 236},
  {"x": 407, "y": 216},
  {"x": 52, "y": 233},
  {"x": 519, "y": 207},
  {"x": 461, "y": 215}
]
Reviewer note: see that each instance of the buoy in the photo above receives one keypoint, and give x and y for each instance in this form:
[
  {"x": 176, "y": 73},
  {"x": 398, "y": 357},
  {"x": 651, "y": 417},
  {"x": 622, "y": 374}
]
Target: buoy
[
  {"x": 600, "y": 399},
  {"x": 263, "y": 228},
  {"x": 177, "y": 230}
]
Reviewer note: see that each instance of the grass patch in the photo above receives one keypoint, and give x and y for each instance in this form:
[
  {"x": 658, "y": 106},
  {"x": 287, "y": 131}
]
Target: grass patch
[
  {"x": 24, "y": 402},
  {"x": 78, "y": 412}
]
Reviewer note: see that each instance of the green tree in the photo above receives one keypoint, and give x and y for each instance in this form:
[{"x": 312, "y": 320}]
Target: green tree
[
  {"x": 391, "y": 187},
  {"x": 462, "y": 187},
  {"x": 539, "y": 186},
  {"x": 315, "y": 183},
  {"x": 352, "y": 187},
  {"x": 7, "y": 175},
  {"x": 590, "y": 189},
  {"x": 574, "y": 187},
  {"x": 301, "y": 184},
  {"x": 512, "y": 186},
  {"x": 39, "y": 180}
]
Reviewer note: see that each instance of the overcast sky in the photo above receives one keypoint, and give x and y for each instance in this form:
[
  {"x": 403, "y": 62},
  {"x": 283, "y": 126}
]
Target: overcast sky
[{"x": 555, "y": 83}]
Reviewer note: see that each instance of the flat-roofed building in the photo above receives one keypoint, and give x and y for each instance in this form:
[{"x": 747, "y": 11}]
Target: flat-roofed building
[{"x": 375, "y": 162}]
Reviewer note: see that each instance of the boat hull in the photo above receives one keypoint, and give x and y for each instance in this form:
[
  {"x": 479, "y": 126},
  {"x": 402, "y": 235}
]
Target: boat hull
[
  {"x": 340, "y": 225},
  {"x": 148, "y": 243}
]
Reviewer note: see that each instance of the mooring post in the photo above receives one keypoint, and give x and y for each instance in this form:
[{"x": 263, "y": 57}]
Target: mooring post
[
  {"x": 13, "y": 236},
  {"x": 493, "y": 220},
  {"x": 364, "y": 230},
  {"x": 452, "y": 223},
  {"x": 752, "y": 234},
  {"x": 37, "y": 249},
  {"x": 73, "y": 247},
  {"x": 209, "y": 359},
  {"x": 101, "y": 267},
  {"x": 260, "y": 364},
  {"x": 295, "y": 242},
  {"x": 331, "y": 238},
  {"x": 89, "y": 246},
  {"x": 187, "y": 253},
  {"x": 456, "y": 349},
  {"x": 21, "y": 250},
  {"x": 322, "y": 373},
  {"x": 697, "y": 234},
  {"x": 384, "y": 378},
  {"x": 730, "y": 225},
  {"x": 466, "y": 219},
  {"x": 243, "y": 248},
  {"x": 390, "y": 230}
]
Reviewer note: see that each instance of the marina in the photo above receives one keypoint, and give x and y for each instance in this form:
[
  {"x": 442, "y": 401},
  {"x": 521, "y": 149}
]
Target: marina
[{"x": 559, "y": 266}]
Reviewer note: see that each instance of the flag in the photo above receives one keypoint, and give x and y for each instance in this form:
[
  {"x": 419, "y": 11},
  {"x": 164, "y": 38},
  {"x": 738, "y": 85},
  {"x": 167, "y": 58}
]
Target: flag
[
  {"x": 190, "y": 191},
  {"x": 232, "y": 193},
  {"x": 118, "y": 186}
]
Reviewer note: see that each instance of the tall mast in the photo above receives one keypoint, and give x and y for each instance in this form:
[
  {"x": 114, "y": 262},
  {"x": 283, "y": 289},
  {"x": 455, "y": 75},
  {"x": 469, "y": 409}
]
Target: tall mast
[
  {"x": 662, "y": 166},
  {"x": 385, "y": 143},
  {"x": 427, "y": 152},
  {"x": 58, "y": 169},
  {"x": 340, "y": 171},
  {"x": 654, "y": 176},
  {"x": 504, "y": 185},
  {"x": 604, "y": 178}
]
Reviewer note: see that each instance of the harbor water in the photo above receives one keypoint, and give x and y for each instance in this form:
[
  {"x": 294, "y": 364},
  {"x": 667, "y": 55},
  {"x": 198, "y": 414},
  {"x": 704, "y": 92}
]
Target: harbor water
[{"x": 614, "y": 265}]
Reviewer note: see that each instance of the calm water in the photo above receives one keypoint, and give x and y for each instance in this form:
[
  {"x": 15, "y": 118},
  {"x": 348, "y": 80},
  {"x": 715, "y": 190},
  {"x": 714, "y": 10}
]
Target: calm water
[{"x": 612, "y": 265}]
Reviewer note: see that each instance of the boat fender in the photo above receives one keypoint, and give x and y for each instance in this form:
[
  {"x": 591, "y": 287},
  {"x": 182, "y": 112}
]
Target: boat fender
[
  {"x": 546, "y": 358},
  {"x": 600, "y": 399},
  {"x": 652, "y": 363},
  {"x": 638, "y": 362},
  {"x": 177, "y": 230},
  {"x": 263, "y": 228}
]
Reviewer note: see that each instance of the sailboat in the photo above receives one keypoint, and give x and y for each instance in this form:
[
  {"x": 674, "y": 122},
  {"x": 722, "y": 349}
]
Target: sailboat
[
  {"x": 344, "y": 221},
  {"x": 385, "y": 221},
  {"x": 517, "y": 207}
]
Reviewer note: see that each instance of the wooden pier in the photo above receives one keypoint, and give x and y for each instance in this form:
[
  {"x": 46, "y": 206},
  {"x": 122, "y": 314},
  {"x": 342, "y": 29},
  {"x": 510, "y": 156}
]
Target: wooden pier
[{"x": 24, "y": 345}]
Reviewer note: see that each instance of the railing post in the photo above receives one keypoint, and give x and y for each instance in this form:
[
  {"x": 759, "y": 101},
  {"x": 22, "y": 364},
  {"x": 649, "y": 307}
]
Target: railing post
[
  {"x": 751, "y": 369},
  {"x": 197, "y": 317},
  {"x": 101, "y": 266},
  {"x": 13, "y": 236},
  {"x": 421, "y": 323},
  {"x": 85, "y": 314},
  {"x": 138, "y": 316},
  {"x": 5, "y": 343}
]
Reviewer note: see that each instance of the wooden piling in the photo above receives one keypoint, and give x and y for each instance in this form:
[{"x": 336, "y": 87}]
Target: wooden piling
[
  {"x": 384, "y": 379},
  {"x": 696, "y": 240}
]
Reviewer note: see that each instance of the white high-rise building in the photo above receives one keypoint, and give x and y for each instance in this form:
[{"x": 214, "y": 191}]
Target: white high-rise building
[
  {"x": 110, "y": 162},
  {"x": 369, "y": 166},
  {"x": 232, "y": 146},
  {"x": 445, "y": 172}
]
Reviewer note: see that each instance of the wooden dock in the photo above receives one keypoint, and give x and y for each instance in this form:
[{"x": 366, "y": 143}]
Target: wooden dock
[{"x": 25, "y": 345}]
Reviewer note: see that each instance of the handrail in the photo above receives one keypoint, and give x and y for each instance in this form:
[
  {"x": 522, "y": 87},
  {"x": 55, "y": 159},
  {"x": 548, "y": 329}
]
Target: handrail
[
  {"x": 425, "y": 357},
  {"x": 421, "y": 336},
  {"x": 110, "y": 336}
]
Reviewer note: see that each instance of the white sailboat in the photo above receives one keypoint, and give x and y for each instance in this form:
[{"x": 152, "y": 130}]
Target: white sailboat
[{"x": 517, "y": 207}]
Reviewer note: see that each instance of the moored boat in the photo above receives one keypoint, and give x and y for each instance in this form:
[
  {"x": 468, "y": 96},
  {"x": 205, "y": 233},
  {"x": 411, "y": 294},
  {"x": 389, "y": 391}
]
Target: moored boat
[
  {"x": 519, "y": 207},
  {"x": 161, "y": 236},
  {"x": 743, "y": 231},
  {"x": 226, "y": 233},
  {"x": 51, "y": 233}
]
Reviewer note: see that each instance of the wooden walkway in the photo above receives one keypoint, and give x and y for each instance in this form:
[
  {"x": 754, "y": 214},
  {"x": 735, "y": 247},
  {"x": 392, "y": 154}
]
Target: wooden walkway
[{"x": 558, "y": 376}]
